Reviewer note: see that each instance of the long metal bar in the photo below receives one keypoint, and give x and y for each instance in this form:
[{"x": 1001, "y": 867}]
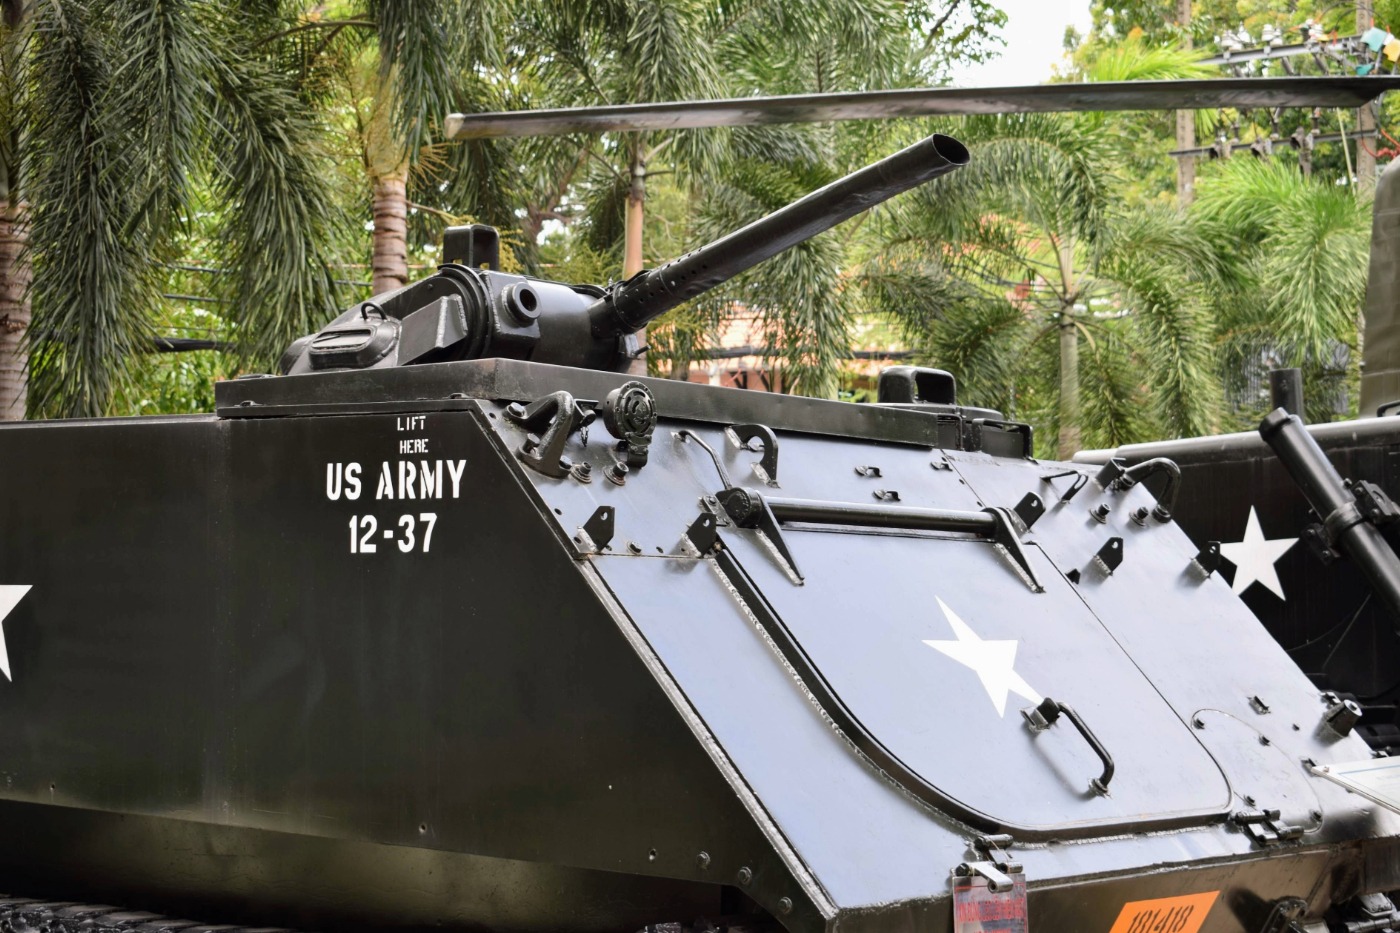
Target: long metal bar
[
  {"x": 1329, "y": 497},
  {"x": 880, "y": 516},
  {"x": 1205, "y": 93}
]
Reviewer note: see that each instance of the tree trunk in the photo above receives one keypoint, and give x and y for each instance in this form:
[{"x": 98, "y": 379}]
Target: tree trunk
[
  {"x": 15, "y": 275},
  {"x": 1069, "y": 440},
  {"x": 389, "y": 265},
  {"x": 1185, "y": 124},
  {"x": 1365, "y": 117},
  {"x": 632, "y": 244}
]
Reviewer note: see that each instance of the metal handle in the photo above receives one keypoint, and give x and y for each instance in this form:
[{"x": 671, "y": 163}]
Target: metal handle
[{"x": 1049, "y": 711}]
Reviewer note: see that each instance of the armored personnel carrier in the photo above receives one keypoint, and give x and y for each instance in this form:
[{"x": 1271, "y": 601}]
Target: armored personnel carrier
[
  {"x": 1337, "y": 617},
  {"x": 453, "y": 624}
]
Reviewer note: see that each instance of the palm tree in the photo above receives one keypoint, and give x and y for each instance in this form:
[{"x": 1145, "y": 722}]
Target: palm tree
[
  {"x": 1022, "y": 275},
  {"x": 1294, "y": 254},
  {"x": 427, "y": 52},
  {"x": 120, "y": 118},
  {"x": 616, "y": 51},
  {"x": 627, "y": 51},
  {"x": 1026, "y": 275}
]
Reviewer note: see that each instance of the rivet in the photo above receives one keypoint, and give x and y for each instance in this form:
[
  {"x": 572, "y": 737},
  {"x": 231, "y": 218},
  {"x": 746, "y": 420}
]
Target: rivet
[
  {"x": 703, "y": 860},
  {"x": 785, "y": 905},
  {"x": 745, "y": 875}
]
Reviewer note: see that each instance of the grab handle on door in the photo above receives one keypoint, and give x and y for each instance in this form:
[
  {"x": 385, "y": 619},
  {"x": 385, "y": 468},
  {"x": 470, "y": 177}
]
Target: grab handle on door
[{"x": 1048, "y": 712}]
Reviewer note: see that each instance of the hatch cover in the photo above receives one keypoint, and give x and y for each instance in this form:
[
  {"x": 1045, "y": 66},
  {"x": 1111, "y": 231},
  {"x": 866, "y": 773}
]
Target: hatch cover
[{"x": 929, "y": 648}]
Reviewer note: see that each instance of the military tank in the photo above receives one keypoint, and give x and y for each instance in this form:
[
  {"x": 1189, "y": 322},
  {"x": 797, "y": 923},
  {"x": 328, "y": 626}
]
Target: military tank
[
  {"x": 1338, "y": 619},
  {"x": 453, "y": 624}
]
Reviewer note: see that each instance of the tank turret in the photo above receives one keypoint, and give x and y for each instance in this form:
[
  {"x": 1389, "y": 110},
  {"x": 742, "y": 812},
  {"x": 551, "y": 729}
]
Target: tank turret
[{"x": 469, "y": 309}]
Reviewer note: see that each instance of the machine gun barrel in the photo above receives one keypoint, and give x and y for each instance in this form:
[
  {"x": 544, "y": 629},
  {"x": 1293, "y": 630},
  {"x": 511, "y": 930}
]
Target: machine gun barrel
[
  {"x": 649, "y": 294},
  {"x": 466, "y": 312},
  {"x": 1343, "y": 522}
]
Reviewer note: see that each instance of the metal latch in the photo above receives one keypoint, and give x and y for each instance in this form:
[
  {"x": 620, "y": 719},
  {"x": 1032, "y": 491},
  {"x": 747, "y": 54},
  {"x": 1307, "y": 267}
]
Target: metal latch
[
  {"x": 989, "y": 893},
  {"x": 1286, "y": 916},
  {"x": 1265, "y": 827},
  {"x": 995, "y": 865}
]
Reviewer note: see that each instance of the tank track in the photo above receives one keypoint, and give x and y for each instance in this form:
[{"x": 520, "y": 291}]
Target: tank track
[{"x": 26, "y": 915}]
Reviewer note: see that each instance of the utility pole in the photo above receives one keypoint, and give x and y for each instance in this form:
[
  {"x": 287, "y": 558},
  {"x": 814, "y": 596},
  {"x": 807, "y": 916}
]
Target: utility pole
[
  {"x": 1186, "y": 120},
  {"x": 1365, "y": 117}
]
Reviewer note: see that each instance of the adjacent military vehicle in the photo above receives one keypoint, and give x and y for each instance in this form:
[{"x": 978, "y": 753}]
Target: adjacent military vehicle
[{"x": 455, "y": 625}]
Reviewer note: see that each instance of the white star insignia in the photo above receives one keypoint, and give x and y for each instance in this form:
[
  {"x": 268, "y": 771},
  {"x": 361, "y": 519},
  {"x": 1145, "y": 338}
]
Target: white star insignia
[
  {"x": 9, "y": 598},
  {"x": 993, "y": 661},
  {"x": 1254, "y": 557}
]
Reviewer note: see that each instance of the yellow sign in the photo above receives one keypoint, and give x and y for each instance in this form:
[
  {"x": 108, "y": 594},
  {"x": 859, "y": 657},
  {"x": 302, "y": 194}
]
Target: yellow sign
[{"x": 1183, "y": 914}]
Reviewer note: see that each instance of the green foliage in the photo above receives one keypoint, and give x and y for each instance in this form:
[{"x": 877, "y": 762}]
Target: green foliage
[
  {"x": 631, "y": 50},
  {"x": 991, "y": 265},
  {"x": 177, "y": 383},
  {"x": 422, "y": 47},
  {"x": 798, "y": 294},
  {"x": 121, "y": 104},
  {"x": 1292, "y": 258}
]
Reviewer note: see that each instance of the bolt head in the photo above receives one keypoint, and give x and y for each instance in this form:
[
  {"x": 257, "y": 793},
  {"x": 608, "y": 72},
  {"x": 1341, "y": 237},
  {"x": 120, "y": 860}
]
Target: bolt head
[{"x": 745, "y": 875}]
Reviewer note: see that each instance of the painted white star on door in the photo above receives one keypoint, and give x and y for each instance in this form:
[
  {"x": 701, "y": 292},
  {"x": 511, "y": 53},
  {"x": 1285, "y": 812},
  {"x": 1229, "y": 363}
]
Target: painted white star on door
[{"x": 993, "y": 660}]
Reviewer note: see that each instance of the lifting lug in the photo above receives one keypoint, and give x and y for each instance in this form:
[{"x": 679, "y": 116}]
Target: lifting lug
[{"x": 560, "y": 415}]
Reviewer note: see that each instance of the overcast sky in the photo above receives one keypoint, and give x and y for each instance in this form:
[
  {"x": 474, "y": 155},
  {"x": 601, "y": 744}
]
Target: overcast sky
[{"x": 1034, "y": 34}]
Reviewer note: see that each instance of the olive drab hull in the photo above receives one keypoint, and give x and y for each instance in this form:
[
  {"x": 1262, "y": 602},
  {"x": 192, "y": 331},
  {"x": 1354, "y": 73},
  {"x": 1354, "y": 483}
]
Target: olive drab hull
[
  {"x": 371, "y": 648},
  {"x": 435, "y": 630}
]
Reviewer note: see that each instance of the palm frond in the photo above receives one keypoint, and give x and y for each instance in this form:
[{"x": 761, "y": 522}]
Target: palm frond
[
  {"x": 282, "y": 219},
  {"x": 423, "y": 44},
  {"x": 1296, "y": 249},
  {"x": 1115, "y": 405},
  {"x": 158, "y": 90},
  {"x": 798, "y": 294},
  {"x": 92, "y": 283}
]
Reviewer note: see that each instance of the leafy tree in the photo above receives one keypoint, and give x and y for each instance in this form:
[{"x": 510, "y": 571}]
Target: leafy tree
[
  {"x": 1027, "y": 275},
  {"x": 426, "y": 59},
  {"x": 119, "y": 119}
]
